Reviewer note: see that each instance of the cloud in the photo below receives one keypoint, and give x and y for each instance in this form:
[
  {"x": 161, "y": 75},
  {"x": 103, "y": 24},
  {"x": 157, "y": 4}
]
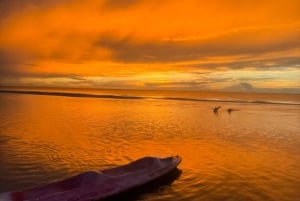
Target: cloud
[
  {"x": 260, "y": 64},
  {"x": 245, "y": 42},
  {"x": 89, "y": 31},
  {"x": 16, "y": 65},
  {"x": 13, "y": 7},
  {"x": 247, "y": 87},
  {"x": 13, "y": 63},
  {"x": 58, "y": 40},
  {"x": 178, "y": 85},
  {"x": 240, "y": 87},
  {"x": 123, "y": 4}
]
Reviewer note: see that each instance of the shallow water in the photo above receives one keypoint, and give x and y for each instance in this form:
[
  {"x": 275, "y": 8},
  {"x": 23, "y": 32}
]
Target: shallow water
[{"x": 252, "y": 153}]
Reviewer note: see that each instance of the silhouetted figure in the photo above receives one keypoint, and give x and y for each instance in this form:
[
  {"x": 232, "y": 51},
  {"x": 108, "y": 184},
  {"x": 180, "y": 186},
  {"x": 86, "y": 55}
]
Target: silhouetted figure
[
  {"x": 216, "y": 109},
  {"x": 229, "y": 110}
]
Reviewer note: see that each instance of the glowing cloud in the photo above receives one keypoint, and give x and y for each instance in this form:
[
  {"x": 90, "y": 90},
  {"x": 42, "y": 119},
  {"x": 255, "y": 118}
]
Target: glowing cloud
[{"x": 190, "y": 45}]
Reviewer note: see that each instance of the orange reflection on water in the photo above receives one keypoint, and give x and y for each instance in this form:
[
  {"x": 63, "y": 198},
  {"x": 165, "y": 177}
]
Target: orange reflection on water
[{"x": 47, "y": 138}]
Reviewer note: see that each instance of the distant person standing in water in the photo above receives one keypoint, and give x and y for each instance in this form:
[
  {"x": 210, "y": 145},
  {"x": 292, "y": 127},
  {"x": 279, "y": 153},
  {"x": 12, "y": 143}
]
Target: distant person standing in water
[{"x": 216, "y": 109}]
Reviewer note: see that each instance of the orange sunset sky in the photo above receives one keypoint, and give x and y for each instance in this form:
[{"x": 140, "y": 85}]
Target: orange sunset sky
[{"x": 230, "y": 45}]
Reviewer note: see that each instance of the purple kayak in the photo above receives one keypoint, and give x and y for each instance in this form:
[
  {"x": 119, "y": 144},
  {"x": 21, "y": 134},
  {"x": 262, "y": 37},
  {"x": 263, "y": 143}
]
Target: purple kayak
[{"x": 97, "y": 185}]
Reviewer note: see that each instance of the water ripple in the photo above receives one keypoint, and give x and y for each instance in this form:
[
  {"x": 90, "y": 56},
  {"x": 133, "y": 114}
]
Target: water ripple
[{"x": 250, "y": 155}]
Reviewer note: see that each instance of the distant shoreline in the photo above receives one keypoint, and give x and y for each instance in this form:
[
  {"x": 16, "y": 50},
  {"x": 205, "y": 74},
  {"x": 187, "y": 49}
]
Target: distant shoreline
[
  {"x": 130, "y": 97},
  {"x": 41, "y": 88},
  {"x": 69, "y": 94}
]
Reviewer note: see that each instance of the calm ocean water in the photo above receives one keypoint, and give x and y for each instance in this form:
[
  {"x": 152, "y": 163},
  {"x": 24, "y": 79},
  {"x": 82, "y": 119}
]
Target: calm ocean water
[{"x": 251, "y": 153}]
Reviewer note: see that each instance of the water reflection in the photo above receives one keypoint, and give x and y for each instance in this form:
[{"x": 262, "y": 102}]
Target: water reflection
[{"x": 252, "y": 154}]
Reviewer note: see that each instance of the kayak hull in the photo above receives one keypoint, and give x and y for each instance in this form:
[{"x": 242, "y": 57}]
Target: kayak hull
[{"x": 97, "y": 185}]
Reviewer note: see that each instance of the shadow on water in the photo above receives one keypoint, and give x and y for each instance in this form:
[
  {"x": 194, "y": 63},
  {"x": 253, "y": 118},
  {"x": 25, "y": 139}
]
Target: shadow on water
[{"x": 151, "y": 187}]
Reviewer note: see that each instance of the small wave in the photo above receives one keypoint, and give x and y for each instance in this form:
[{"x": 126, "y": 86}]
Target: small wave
[{"x": 111, "y": 96}]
